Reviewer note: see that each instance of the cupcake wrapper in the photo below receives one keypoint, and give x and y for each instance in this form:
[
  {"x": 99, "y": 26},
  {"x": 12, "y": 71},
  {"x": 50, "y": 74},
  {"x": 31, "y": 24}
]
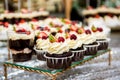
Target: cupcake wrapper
[
  {"x": 40, "y": 54},
  {"x": 78, "y": 55},
  {"x": 103, "y": 45},
  {"x": 58, "y": 63},
  {"x": 91, "y": 49}
]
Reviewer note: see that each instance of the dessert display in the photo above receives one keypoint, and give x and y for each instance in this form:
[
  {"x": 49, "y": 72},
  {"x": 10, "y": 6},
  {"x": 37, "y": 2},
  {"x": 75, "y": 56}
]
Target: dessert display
[
  {"x": 21, "y": 42},
  {"x": 57, "y": 41},
  {"x": 58, "y": 55}
]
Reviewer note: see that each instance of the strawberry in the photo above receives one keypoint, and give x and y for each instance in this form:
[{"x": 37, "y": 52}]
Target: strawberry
[
  {"x": 87, "y": 31},
  {"x": 60, "y": 30},
  {"x": 46, "y": 28},
  {"x": 6, "y": 24},
  {"x": 21, "y": 30},
  {"x": 80, "y": 30},
  {"x": 22, "y": 21},
  {"x": 34, "y": 20},
  {"x": 100, "y": 29},
  {"x": 73, "y": 28},
  {"x": 94, "y": 29},
  {"x": 73, "y": 37},
  {"x": 61, "y": 39},
  {"x": 52, "y": 38},
  {"x": 97, "y": 16},
  {"x": 28, "y": 32},
  {"x": 42, "y": 35}
]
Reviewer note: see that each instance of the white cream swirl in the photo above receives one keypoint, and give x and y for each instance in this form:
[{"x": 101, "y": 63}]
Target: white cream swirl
[
  {"x": 88, "y": 38},
  {"x": 58, "y": 48},
  {"x": 100, "y": 35},
  {"x": 74, "y": 44},
  {"x": 42, "y": 44},
  {"x": 15, "y": 36}
]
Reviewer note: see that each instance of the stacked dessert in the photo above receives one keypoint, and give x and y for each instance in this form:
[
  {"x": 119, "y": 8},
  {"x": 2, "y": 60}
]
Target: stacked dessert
[{"x": 21, "y": 42}]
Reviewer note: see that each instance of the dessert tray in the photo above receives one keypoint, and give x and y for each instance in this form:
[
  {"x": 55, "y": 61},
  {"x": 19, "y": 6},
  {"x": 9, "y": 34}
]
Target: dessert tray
[{"x": 41, "y": 67}]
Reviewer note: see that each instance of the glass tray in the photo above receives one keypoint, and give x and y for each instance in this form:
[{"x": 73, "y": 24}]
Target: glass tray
[{"x": 38, "y": 65}]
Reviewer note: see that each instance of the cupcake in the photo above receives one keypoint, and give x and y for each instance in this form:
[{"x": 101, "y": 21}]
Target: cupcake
[
  {"x": 21, "y": 44},
  {"x": 58, "y": 56},
  {"x": 90, "y": 43},
  {"x": 101, "y": 38},
  {"x": 42, "y": 44},
  {"x": 75, "y": 45}
]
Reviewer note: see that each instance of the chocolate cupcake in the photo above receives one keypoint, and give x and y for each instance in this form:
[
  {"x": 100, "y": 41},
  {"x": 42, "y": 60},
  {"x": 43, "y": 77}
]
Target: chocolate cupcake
[
  {"x": 41, "y": 46},
  {"x": 21, "y": 44},
  {"x": 90, "y": 43},
  {"x": 58, "y": 56},
  {"x": 101, "y": 38}
]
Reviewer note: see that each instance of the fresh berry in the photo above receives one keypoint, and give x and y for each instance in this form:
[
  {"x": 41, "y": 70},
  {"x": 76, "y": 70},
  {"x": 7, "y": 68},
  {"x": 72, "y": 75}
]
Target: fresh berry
[
  {"x": 61, "y": 39},
  {"x": 94, "y": 29},
  {"x": 87, "y": 31},
  {"x": 1, "y": 23},
  {"x": 40, "y": 28},
  {"x": 73, "y": 28},
  {"x": 28, "y": 32},
  {"x": 6, "y": 24},
  {"x": 52, "y": 38},
  {"x": 97, "y": 16},
  {"x": 34, "y": 20},
  {"x": 80, "y": 30},
  {"x": 73, "y": 37},
  {"x": 100, "y": 29},
  {"x": 42, "y": 35},
  {"x": 21, "y": 30},
  {"x": 60, "y": 30},
  {"x": 46, "y": 28},
  {"x": 22, "y": 21}
]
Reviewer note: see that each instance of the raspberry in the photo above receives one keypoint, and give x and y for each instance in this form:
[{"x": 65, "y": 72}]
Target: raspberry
[
  {"x": 73, "y": 37},
  {"x": 100, "y": 29},
  {"x": 61, "y": 39},
  {"x": 87, "y": 31}
]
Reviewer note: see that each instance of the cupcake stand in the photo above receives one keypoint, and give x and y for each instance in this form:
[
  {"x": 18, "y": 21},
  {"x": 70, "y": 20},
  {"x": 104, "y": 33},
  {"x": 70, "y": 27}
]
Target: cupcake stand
[{"x": 41, "y": 67}]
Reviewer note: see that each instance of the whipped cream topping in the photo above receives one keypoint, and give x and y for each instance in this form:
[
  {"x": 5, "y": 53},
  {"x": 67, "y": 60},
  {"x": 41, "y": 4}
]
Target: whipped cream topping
[
  {"x": 58, "y": 48},
  {"x": 42, "y": 44},
  {"x": 100, "y": 35},
  {"x": 74, "y": 44},
  {"x": 88, "y": 38},
  {"x": 15, "y": 36}
]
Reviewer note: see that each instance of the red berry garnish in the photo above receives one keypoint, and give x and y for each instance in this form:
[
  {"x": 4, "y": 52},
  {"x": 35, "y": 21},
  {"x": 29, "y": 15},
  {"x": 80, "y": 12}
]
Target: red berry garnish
[
  {"x": 73, "y": 28},
  {"x": 28, "y": 32},
  {"x": 6, "y": 24},
  {"x": 44, "y": 37},
  {"x": 21, "y": 30},
  {"x": 73, "y": 37},
  {"x": 87, "y": 31},
  {"x": 22, "y": 21},
  {"x": 61, "y": 39},
  {"x": 34, "y": 20},
  {"x": 100, "y": 29},
  {"x": 46, "y": 28}
]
